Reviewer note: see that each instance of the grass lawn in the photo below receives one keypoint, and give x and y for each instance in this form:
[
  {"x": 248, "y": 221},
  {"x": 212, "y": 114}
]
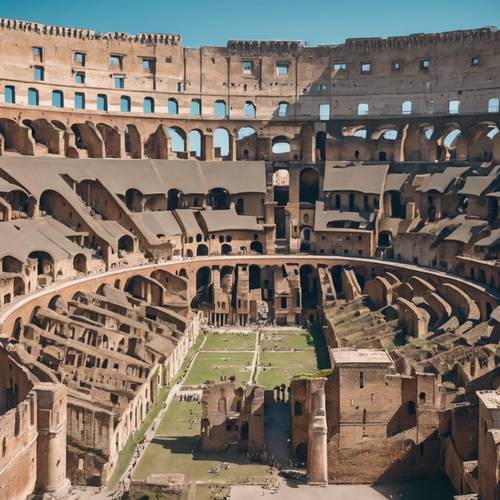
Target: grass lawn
[
  {"x": 176, "y": 449},
  {"x": 298, "y": 340},
  {"x": 217, "y": 341},
  {"x": 284, "y": 365},
  {"x": 211, "y": 365}
]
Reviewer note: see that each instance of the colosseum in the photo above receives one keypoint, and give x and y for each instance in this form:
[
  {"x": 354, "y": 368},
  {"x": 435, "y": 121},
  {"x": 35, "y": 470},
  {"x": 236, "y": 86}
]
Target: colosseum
[{"x": 265, "y": 263}]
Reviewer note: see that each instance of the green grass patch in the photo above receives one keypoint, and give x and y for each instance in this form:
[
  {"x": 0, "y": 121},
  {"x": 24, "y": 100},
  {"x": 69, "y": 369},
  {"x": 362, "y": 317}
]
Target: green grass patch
[
  {"x": 284, "y": 366},
  {"x": 298, "y": 340},
  {"x": 211, "y": 365},
  {"x": 217, "y": 341},
  {"x": 176, "y": 449}
]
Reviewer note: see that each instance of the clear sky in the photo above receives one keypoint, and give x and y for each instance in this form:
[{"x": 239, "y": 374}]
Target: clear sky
[{"x": 213, "y": 22}]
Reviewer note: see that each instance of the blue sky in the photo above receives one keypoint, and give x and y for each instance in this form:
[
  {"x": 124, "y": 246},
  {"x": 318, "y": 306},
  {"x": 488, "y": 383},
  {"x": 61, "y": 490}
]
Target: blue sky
[{"x": 205, "y": 22}]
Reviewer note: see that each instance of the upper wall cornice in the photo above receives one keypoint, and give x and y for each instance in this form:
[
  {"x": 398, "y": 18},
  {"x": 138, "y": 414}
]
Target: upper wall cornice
[
  {"x": 262, "y": 47},
  {"x": 85, "y": 34}
]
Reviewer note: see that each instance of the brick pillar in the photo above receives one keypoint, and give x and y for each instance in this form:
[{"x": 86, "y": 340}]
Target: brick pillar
[{"x": 51, "y": 444}]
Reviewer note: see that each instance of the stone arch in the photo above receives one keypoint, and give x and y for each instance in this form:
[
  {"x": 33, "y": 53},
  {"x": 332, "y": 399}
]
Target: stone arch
[
  {"x": 112, "y": 140},
  {"x": 133, "y": 142},
  {"x": 196, "y": 144},
  {"x": 309, "y": 185},
  {"x": 202, "y": 249},
  {"x": 177, "y": 141},
  {"x": 157, "y": 144},
  {"x": 219, "y": 198},
  {"x": 45, "y": 262},
  {"x": 80, "y": 263},
  {"x": 257, "y": 247},
  {"x": 222, "y": 143},
  {"x": 126, "y": 244},
  {"x": 17, "y": 137},
  {"x": 246, "y": 144}
]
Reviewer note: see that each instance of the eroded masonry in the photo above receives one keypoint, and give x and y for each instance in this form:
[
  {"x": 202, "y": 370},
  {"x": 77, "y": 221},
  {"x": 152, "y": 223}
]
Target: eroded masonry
[{"x": 148, "y": 189}]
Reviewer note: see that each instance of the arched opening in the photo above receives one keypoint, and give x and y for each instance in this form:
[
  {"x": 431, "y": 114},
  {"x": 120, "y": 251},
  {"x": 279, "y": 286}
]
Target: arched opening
[
  {"x": 132, "y": 141},
  {"x": 246, "y": 142},
  {"x": 305, "y": 239},
  {"x": 202, "y": 249},
  {"x": 256, "y": 246},
  {"x": 321, "y": 146},
  {"x": 195, "y": 107},
  {"x": 309, "y": 287},
  {"x": 195, "y": 143},
  {"x": 222, "y": 147},
  {"x": 203, "y": 278},
  {"x": 173, "y": 199},
  {"x": 282, "y": 109},
  {"x": 220, "y": 109},
  {"x": 45, "y": 263},
  {"x": 57, "y": 99},
  {"x": 281, "y": 185},
  {"x": 309, "y": 185},
  {"x": 33, "y": 97},
  {"x": 149, "y": 105},
  {"x": 254, "y": 277},
  {"x": 301, "y": 453},
  {"x": 172, "y": 106},
  {"x": 493, "y": 105},
  {"x": 125, "y": 104},
  {"x": 80, "y": 263},
  {"x": 126, "y": 244},
  {"x": 281, "y": 145},
  {"x": 240, "y": 206},
  {"x": 17, "y": 329},
  {"x": 249, "y": 110},
  {"x": 337, "y": 279},
  {"x": 225, "y": 249},
  {"x": 219, "y": 199},
  {"x": 406, "y": 108},
  {"x": 18, "y": 200},
  {"x": 134, "y": 200},
  {"x": 177, "y": 140}
]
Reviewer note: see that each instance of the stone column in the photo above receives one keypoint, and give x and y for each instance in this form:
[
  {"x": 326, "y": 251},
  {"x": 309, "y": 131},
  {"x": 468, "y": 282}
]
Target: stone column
[
  {"x": 317, "y": 461},
  {"x": 51, "y": 444}
]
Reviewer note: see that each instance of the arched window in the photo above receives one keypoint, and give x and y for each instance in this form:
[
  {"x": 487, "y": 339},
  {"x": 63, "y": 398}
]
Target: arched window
[
  {"x": 220, "y": 109},
  {"x": 422, "y": 397},
  {"x": 195, "y": 143},
  {"x": 240, "y": 206},
  {"x": 221, "y": 142},
  {"x": 493, "y": 105},
  {"x": 102, "y": 102},
  {"x": 406, "y": 108},
  {"x": 172, "y": 107},
  {"x": 195, "y": 107},
  {"x": 282, "y": 109},
  {"x": 58, "y": 98},
  {"x": 249, "y": 110},
  {"x": 33, "y": 97},
  {"x": 149, "y": 105},
  {"x": 125, "y": 104},
  {"x": 10, "y": 94},
  {"x": 363, "y": 108}
]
